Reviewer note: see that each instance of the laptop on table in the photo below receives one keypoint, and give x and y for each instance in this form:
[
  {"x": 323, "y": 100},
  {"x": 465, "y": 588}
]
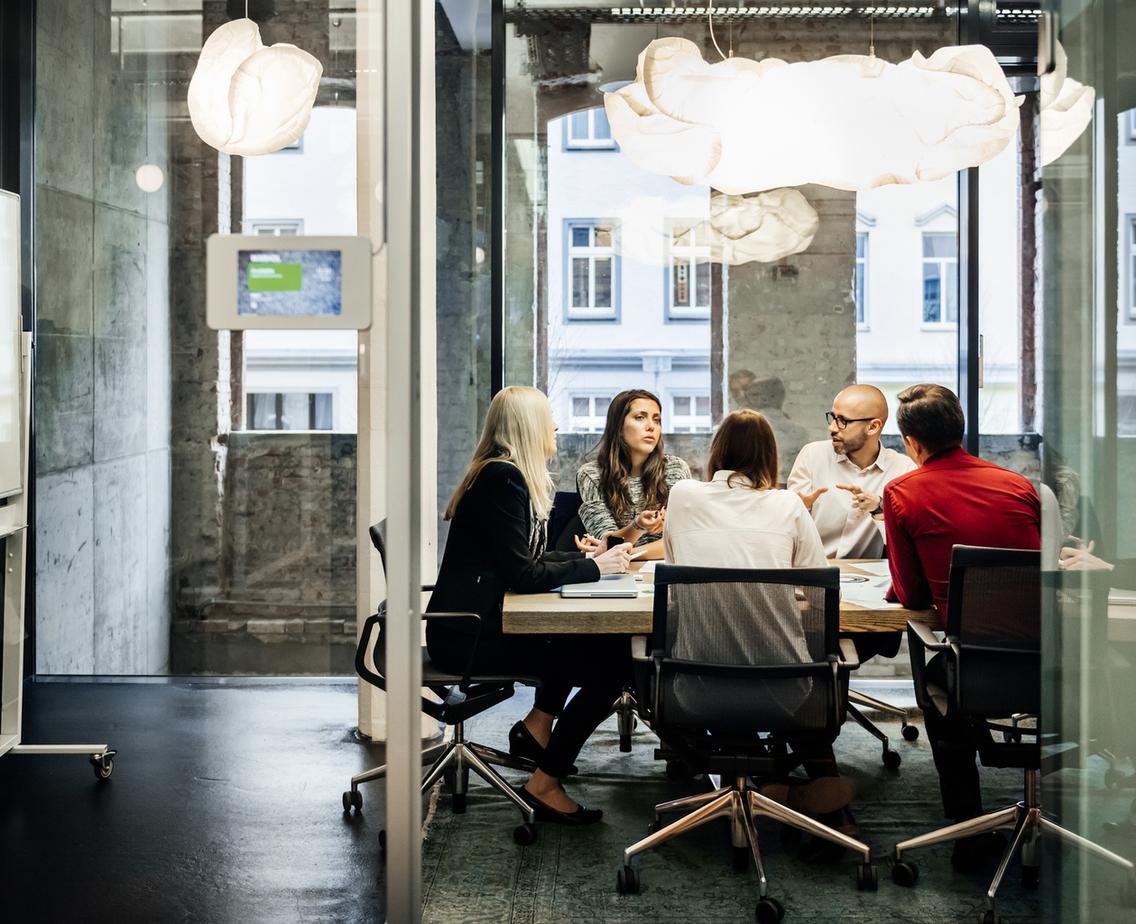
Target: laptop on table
[{"x": 610, "y": 585}]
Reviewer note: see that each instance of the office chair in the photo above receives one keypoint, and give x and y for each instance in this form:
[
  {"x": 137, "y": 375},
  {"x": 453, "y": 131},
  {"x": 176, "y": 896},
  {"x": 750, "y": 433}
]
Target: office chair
[
  {"x": 993, "y": 668},
  {"x": 891, "y": 758},
  {"x": 727, "y": 690},
  {"x": 462, "y": 697}
]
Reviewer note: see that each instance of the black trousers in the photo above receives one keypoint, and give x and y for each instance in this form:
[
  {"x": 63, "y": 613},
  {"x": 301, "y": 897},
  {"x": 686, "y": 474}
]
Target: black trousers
[
  {"x": 599, "y": 665},
  {"x": 955, "y": 754}
]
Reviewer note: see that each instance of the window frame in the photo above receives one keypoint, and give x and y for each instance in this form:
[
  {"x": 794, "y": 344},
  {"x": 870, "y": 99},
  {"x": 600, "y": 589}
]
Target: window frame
[
  {"x": 591, "y": 395},
  {"x": 576, "y": 314},
  {"x": 943, "y": 263},
  {"x": 591, "y": 142},
  {"x": 693, "y": 394},
  {"x": 1130, "y": 263},
  {"x": 673, "y": 311},
  {"x": 279, "y": 394},
  {"x": 860, "y": 280},
  {"x": 282, "y": 226}
]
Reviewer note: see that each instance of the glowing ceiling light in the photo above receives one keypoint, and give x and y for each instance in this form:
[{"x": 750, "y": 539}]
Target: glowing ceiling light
[
  {"x": 149, "y": 178},
  {"x": 850, "y": 122},
  {"x": 247, "y": 99}
]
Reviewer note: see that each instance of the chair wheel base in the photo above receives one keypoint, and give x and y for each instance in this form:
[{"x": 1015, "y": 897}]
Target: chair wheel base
[
  {"x": 867, "y": 878},
  {"x": 524, "y": 834},
  {"x": 769, "y": 911},
  {"x": 352, "y": 799},
  {"x": 627, "y": 881},
  {"x": 904, "y": 873},
  {"x": 625, "y": 743},
  {"x": 892, "y": 760},
  {"x": 910, "y": 732}
]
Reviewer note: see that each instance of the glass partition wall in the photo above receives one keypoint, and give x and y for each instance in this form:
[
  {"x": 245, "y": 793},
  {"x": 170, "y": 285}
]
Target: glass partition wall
[{"x": 195, "y": 489}]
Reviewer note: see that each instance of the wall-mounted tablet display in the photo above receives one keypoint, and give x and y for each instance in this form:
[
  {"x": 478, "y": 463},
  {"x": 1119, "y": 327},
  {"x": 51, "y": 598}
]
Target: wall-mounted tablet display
[{"x": 293, "y": 282}]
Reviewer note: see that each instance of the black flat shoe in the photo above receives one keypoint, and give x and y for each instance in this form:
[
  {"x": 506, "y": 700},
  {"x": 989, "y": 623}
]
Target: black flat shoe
[
  {"x": 582, "y": 815},
  {"x": 522, "y": 744}
]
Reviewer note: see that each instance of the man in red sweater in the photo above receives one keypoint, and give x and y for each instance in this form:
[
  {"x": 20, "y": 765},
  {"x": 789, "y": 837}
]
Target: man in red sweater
[{"x": 952, "y": 498}]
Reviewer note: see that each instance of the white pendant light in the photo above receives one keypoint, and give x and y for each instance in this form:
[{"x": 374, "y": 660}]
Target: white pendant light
[
  {"x": 149, "y": 178},
  {"x": 1066, "y": 109},
  {"x": 850, "y": 122},
  {"x": 758, "y": 229},
  {"x": 247, "y": 99}
]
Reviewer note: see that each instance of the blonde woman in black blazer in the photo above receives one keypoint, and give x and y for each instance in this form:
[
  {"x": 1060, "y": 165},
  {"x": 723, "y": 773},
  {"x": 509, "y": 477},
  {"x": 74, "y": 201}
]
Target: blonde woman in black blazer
[{"x": 498, "y": 519}]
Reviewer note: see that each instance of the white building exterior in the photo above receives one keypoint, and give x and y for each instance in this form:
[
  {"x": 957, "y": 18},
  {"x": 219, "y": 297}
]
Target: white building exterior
[{"x": 300, "y": 380}]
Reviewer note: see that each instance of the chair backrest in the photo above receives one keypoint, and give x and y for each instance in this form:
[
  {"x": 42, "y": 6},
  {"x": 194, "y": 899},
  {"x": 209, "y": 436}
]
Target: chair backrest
[
  {"x": 746, "y": 649},
  {"x": 378, "y": 540},
  {"x": 994, "y": 619},
  {"x": 564, "y": 520}
]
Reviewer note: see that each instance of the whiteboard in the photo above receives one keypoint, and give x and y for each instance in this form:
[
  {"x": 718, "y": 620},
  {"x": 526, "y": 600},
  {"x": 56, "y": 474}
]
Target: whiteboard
[{"x": 11, "y": 324}]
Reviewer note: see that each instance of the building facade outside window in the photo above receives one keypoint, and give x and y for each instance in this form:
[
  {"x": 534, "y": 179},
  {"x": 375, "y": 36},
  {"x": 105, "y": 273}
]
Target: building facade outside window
[
  {"x": 689, "y": 272},
  {"x": 290, "y": 411},
  {"x": 588, "y": 130},
  {"x": 690, "y": 413},
  {"x": 588, "y": 413},
  {"x": 940, "y": 278},
  {"x": 275, "y": 226},
  {"x": 861, "y": 279},
  {"x": 592, "y": 270}
]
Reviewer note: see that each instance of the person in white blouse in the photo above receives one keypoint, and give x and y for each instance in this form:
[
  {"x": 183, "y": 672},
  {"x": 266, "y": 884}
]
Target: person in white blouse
[
  {"x": 841, "y": 480},
  {"x": 740, "y": 519}
]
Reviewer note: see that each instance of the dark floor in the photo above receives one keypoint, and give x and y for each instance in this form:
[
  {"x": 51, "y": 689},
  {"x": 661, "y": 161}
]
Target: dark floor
[{"x": 224, "y": 806}]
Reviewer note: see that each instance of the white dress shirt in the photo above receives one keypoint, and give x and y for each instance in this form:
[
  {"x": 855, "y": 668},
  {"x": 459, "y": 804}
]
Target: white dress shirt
[
  {"x": 845, "y": 531},
  {"x": 718, "y": 525}
]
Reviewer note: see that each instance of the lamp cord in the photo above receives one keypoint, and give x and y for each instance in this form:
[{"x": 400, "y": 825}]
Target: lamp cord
[{"x": 710, "y": 21}]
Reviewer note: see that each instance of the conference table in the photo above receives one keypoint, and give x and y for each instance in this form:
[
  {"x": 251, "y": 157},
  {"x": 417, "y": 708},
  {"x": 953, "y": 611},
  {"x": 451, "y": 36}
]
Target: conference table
[{"x": 862, "y": 607}]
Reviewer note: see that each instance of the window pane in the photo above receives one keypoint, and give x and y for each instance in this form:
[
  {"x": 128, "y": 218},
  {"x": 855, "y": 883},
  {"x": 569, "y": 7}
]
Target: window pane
[
  {"x": 581, "y": 235},
  {"x": 602, "y": 405},
  {"x": 682, "y": 236},
  {"x": 579, "y": 283},
  {"x": 682, "y": 405},
  {"x": 580, "y": 407},
  {"x": 603, "y": 282},
  {"x": 703, "y": 276},
  {"x": 321, "y": 412},
  {"x": 602, "y": 130},
  {"x": 603, "y": 236},
  {"x": 296, "y": 413},
  {"x": 681, "y": 284},
  {"x": 940, "y": 245},
  {"x": 702, "y": 405},
  {"x": 262, "y": 412},
  {"x": 931, "y": 289},
  {"x": 950, "y": 285},
  {"x": 861, "y": 245},
  {"x": 859, "y": 293},
  {"x": 578, "y": 126}
]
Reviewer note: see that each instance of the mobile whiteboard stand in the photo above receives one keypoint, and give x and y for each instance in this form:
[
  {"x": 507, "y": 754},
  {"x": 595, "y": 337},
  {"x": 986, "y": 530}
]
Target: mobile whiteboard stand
[{"x": 15, "y": 385}]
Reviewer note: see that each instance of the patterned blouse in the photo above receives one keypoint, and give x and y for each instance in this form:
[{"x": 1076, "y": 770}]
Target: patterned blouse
[{"x": 594, "y": 512}]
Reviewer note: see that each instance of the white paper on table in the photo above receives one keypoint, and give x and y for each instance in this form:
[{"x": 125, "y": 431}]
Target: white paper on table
[
  {"x": 870, "y": 593},
  {"x": 648, "y": 567},
  {"x": 878, "y": 568}
]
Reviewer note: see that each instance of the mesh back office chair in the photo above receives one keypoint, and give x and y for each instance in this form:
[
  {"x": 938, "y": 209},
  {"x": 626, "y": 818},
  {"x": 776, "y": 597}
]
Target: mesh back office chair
[
  {"x": 462, "y": 697},
  {"x": 728, "y": 681},
  {"x": 993, "y": 651}
]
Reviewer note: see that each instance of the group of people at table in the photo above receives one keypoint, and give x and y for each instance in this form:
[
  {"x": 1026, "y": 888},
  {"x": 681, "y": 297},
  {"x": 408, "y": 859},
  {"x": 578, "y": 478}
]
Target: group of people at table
[{"x": 847, "y": 496}]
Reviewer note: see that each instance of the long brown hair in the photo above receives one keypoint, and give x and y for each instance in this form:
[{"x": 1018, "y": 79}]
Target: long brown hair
[
  {"x": 614, "y": 459},
  {"x": 745, "y": 444}
]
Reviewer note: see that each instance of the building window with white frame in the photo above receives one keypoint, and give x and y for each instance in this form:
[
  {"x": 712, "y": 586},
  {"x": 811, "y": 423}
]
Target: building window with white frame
[
  {"x": 298, "y": 410},
  {"x": 690, "y": 277},
  {"x": 1132, "y": 267},
  {"x": 588, "y": 131},
  {"x": 275, "y": 227},
  {"x": 940, "y": 278},
  {"x": 862, "y": 279},
  {"x": 588, "y": 413},
  {"x": 690, "y": 413},
  {"x": 592, "y": 270}
]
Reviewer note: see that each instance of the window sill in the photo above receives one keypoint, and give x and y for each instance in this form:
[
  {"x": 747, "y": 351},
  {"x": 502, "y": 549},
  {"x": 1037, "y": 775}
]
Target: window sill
[
  {"x": 692, "y": 316},
  {"x": 943, "y": 328},
  {"x": 607, "y": 317}
]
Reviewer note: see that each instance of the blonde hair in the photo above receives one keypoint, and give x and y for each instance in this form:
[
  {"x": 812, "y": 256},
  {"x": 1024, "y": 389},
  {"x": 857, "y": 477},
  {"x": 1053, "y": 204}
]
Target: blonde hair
[{"x": 518, "y": 427}]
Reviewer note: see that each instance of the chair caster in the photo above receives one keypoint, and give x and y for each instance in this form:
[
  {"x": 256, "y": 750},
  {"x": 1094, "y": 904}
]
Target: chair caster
[
  {"x": 1031, "y": 877},
  {"x": 989, "y": 917},
  {"x": 892, "y": 760},
  {"x": 103, "y": 765},
  {"x": 525, "y": 834},
  {"x": 741, "y": 859},
  {"x": 910, "y": 732},
  {"x": 867, "y": 879},
  {"x": 904, "y": 873},
  {"x": 459, "y": 803},
  {"x": 627, "y": 881},
  {"x": 382, "y": 840},
  {"x": 769, "y": 911},
  {"x": 352, "y": 799}
]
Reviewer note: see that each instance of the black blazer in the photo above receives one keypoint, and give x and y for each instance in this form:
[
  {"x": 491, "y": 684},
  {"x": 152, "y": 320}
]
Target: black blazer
[{"x": 487, "y": 552}]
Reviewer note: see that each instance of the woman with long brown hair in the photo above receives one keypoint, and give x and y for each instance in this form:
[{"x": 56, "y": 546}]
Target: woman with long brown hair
[{"x": 623, "y": 493}]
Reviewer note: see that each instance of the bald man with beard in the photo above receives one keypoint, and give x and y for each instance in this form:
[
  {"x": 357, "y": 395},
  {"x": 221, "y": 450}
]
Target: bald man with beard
[{"x": 841, "y": 480}]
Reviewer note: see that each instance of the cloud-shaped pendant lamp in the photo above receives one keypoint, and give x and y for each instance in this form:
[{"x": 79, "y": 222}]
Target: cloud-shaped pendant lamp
[
  {"x": 247, "y": 99},
  {"x": 850, "y": 122},
  {"x": 758, "y": 229}
]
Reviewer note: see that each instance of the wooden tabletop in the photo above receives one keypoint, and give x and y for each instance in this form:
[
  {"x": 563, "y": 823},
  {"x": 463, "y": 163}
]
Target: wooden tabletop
[{"x": 539, "y": 614}]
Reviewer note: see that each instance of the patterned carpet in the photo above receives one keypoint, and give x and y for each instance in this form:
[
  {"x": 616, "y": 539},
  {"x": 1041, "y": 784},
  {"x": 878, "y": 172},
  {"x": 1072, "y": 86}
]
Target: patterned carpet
[{"x": 472, "y": 871}]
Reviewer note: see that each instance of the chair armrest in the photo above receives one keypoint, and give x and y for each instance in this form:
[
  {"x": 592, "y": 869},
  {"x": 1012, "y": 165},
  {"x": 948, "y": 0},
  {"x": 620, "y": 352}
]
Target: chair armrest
[
  {"x": 426, "y": 587},
  {"x": 849, "y": 657},
  {"x": 475, "y": 620},
  {"x": 361, "y": 649},
  {"x": 926, "y": 636},
  {"x": 921, "y": 639}
]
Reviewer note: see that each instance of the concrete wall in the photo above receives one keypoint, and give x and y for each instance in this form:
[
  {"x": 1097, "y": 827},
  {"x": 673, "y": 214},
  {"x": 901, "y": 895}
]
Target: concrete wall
[{"x": 102, "y": 398}]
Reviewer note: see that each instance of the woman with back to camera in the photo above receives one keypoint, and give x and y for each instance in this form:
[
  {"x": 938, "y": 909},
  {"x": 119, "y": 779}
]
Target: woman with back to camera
[
  {"x": 623, "y": 493},
  {"x": 498, "y": 523},
  {"x": 741, "y": 519}
]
